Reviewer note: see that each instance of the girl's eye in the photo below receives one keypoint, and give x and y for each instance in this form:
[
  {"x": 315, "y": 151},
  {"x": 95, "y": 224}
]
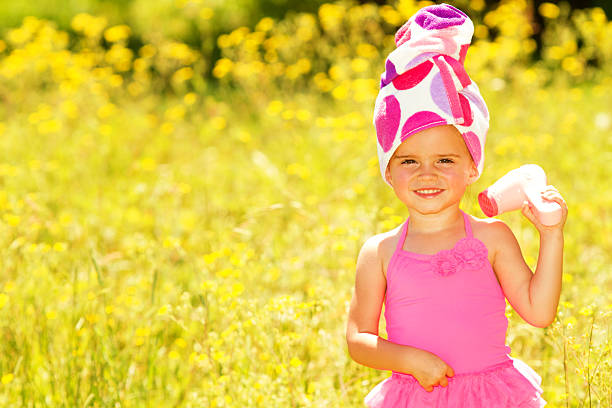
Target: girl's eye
[
  {"x": 408, "y": 161},
  {"x": 446, "y": 160}
]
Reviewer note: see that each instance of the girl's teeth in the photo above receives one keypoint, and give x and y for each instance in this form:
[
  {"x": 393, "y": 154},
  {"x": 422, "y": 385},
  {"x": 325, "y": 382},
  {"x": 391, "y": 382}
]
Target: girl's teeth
[{"x": 428, "y": 191}]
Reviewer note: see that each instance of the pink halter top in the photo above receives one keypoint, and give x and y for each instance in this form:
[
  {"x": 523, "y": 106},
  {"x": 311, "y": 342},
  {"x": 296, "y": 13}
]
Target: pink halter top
[{"x": 448, "y": 303}]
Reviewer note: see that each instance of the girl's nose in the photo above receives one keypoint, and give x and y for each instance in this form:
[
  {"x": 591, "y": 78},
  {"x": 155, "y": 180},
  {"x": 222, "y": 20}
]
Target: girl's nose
[{"x": 427, "y": 171}]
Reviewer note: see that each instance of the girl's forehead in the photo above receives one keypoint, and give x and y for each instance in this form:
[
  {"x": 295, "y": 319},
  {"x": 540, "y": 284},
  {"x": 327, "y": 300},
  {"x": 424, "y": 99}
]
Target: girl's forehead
[{"x": 443, "y": 141}]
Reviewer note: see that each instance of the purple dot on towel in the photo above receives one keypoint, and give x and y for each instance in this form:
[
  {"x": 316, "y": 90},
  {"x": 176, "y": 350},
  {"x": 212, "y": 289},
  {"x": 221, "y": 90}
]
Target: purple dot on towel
[
  {"x": 389, "y": 74},
  {"x": 387, "y": 114},
  {"x": 476, "y": 100},
  {"x": 421, "y": 121},
  {"x": 413, "y": 76},
  {"x": 473, "y": 144},
  {"x": 438, "y": 94},
  {"x": 439, "y": 16}
]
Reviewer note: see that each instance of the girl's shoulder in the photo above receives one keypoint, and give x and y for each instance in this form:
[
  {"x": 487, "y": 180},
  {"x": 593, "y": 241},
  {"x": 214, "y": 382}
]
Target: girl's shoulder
[
  {"x": 384, "y": 242},
  {"x": 494, "y": 233},
  {"x": 383, "y": 245}
]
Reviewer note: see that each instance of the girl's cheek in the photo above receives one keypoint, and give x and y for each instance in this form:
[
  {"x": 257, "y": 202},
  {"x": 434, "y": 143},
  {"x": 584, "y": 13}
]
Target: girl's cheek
[{"x": 450, "y": 171}]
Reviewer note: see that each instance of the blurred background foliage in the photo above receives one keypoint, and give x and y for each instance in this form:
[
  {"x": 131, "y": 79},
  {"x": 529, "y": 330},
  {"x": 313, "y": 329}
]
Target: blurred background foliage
[
  {"x": 282, "y": 34},
  {"x": 185, "y": 186}
]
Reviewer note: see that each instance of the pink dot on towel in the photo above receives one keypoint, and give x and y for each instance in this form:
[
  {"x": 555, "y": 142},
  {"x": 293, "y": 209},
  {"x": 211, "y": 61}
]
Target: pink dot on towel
[
  {"x": 467, "y": 111},
  {"x": 403, "y": 34},
  {"x": 387, "y": 120},
  {"x": 420, "y": 121},
  {"x": 473, "y": 144},
  {"x": 413, "y": 76}
]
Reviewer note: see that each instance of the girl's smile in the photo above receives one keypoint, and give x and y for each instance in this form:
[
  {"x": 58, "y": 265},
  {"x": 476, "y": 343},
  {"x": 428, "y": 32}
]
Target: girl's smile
[{"x": 428, "y": 193}]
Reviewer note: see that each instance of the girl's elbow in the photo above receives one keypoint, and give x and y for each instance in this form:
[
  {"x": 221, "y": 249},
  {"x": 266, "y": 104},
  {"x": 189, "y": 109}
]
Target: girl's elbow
[{"x": 542, "y": 324}]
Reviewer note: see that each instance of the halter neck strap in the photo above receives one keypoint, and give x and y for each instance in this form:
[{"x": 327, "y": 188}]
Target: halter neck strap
[{"x": 466, "y": 224}]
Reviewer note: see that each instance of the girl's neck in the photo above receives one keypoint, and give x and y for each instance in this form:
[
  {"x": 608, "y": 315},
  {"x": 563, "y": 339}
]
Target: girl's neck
[{"x": 434, "y": 223}]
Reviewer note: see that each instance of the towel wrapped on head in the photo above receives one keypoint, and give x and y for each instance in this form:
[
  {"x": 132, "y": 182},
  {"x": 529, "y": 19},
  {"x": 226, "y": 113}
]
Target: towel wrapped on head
[{"x": 425, "y": 84}]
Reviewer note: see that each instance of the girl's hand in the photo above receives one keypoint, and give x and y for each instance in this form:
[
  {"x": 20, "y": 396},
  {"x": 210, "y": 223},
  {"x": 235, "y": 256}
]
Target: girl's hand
[
  {"x": 432, "y": 372},
  {"x": 550, "y": 193}
]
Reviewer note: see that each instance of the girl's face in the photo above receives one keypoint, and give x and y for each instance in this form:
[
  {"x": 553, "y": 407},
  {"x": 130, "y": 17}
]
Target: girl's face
[{"x": 431, "y": 169}]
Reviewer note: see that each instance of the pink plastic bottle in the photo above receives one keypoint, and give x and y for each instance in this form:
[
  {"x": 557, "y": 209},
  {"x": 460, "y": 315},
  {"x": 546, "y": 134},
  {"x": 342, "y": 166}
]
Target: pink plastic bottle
[{"x": 508, "y": 193}]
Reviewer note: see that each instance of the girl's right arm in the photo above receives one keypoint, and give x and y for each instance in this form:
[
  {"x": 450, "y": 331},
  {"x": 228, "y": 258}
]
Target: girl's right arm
[{"x": 364, "y": 344}]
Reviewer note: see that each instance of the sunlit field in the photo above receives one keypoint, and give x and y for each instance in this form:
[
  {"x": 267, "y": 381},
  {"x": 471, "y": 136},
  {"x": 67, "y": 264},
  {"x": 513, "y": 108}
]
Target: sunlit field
[{"x": 182, "y": 231}]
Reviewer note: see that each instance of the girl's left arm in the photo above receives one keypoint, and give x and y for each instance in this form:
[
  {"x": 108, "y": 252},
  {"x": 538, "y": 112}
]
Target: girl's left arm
[
  {"x": 535, "y": 297},
  {"x": 545, "y": 287}
]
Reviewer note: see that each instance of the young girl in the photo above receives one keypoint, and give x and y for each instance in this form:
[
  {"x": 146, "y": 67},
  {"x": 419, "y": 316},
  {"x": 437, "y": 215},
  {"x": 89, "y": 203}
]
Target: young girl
[{"x": 443, "y": 274}]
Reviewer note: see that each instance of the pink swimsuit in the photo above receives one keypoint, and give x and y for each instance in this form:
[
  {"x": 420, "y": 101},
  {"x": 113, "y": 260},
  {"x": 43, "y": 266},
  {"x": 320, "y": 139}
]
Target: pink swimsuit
[{"x": 451, "y": 304}]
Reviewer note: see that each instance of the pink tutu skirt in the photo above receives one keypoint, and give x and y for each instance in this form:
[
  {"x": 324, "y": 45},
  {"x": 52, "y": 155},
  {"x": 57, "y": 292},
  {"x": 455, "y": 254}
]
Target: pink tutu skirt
[{"x": 511, "y": 384}]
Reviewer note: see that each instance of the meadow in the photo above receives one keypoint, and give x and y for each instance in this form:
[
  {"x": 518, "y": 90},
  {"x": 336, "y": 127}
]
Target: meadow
[{"x": 178, "y": 231}]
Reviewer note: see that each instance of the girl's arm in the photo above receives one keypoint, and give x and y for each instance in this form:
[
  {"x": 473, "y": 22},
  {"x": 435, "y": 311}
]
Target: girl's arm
[
  {"x": 364, "y": 344},
  {"x": 534, "y": 297}
]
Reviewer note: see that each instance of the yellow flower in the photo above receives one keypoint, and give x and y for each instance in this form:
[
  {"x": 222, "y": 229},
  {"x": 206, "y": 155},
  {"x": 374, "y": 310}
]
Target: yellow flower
[
  {"x": 106, "y": 110},
  {"x": 245, "y": 136},
  {"x": 147, "y": 51},
  {"x": 295, "y": 362},
  {"x": 218, "y": 122},
  {"x": 7, "y": 378},
  {"x": 117, "y": 33},
  {"x": 91, "y": 26},
  {"x": 288, "y": 114},
  {"x": 182, "y": 74},
  {"x": 190, "y": 98},
  {"x": 211, "y": 257},
  {"x": 549, "y": 10},
  {"x": 390, "y": 15},
  {"x": 166, "y": 128},
  {"x": 175, "y": 113},
  {"x": 331, "y": 15},
  {"x": 365, "y": 50},
  {"x": 359, "y": 64},
  {"x": 12, "y": 219},
  {"x": 274, "y": 107},
  {"x": 142, "y": 331},
  {"x": 572, "y": 65},
  {"x": 60, "y": 246},
  {"x": 340, "y": 92},
  {"x": 477, "y": 5},
  {"x": 222, "y": 67},
  {"x": 206, "y": 13},
  {"x": 70, "y": 109},
  {"x": 570, "y": 321},
  {"x": 265, "y": 24},
  {"x": 3, "y": 300},
  {"x": 237, "y": 289},
  {"x": 302, "y": 115},
  {"x": 147, "y": 164}
]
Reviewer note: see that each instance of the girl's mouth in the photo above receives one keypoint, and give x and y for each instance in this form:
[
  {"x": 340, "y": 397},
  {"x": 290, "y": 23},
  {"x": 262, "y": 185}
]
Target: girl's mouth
[{"x": 428, "y": 193}]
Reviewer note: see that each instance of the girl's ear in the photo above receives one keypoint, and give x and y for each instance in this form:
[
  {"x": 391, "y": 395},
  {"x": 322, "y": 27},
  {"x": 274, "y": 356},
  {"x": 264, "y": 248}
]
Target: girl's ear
[
  {"x": 388, "y": 175},
  {"x": 473, "y": 173}
]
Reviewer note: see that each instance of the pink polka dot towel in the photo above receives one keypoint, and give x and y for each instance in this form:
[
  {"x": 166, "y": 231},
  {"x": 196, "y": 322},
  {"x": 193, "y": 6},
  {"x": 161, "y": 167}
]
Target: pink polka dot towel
[{"x": 425, "y": 84}]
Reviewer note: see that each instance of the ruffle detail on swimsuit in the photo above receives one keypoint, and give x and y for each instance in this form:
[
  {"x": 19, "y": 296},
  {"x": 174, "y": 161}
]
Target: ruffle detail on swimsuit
[
  {"x": 512, "y": 384},
  {"x": 467, "y": 254}
]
